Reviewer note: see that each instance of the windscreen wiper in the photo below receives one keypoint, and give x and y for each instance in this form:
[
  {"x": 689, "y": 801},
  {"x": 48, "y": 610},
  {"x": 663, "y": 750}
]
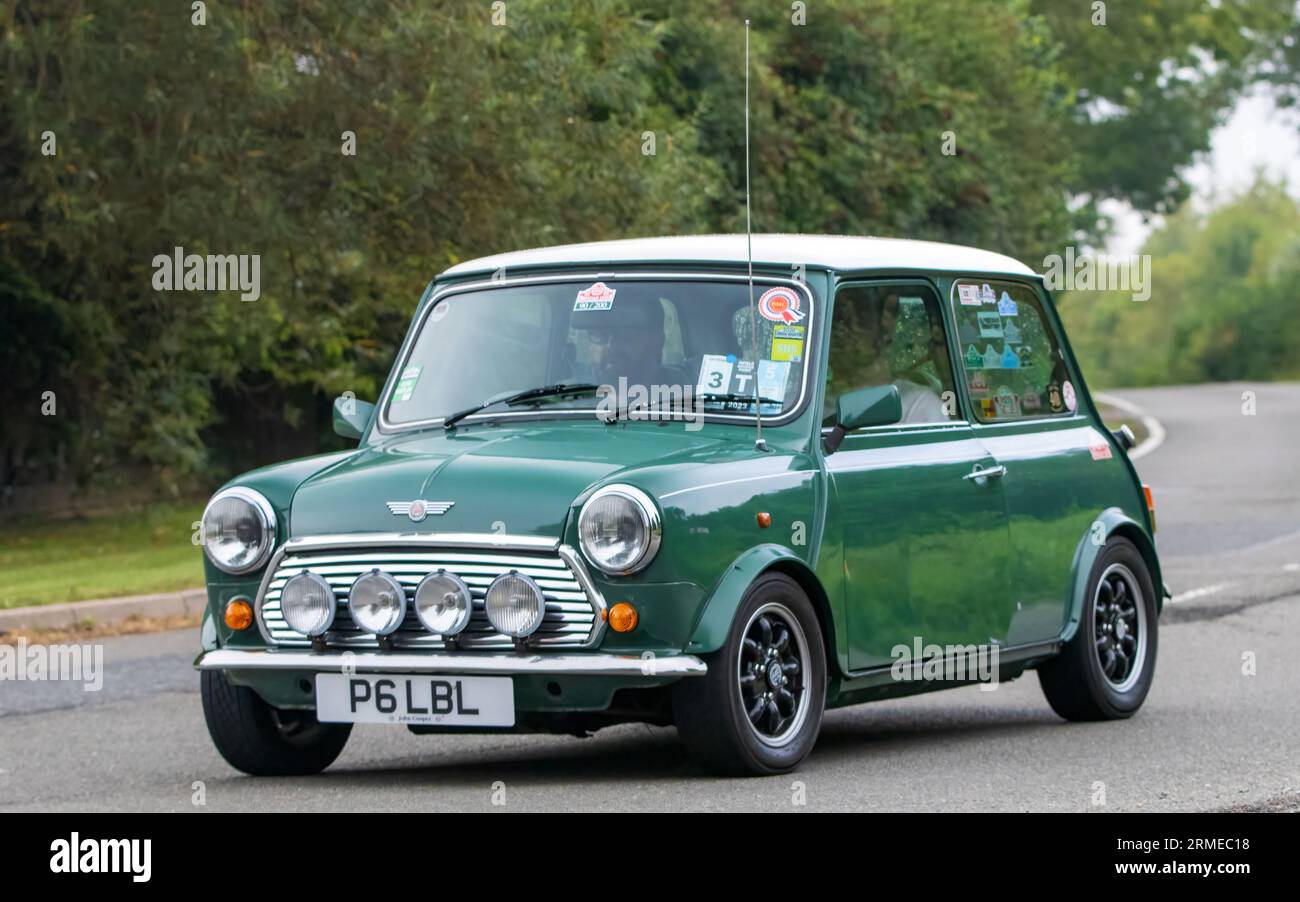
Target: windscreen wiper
[{"x": 518, "y": 397}]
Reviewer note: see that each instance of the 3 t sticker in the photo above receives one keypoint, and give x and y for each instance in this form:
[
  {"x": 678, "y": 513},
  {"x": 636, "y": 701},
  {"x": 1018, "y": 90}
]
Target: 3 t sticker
[
  {"x": 780, "y": 305},
  {"x": 715, "y": 374}
]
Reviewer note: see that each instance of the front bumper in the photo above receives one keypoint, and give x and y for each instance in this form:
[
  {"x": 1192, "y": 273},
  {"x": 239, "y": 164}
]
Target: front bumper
[{"x": 462, "y": 663}]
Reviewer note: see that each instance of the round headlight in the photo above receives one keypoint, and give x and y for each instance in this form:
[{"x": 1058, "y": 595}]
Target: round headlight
[
  {"x": 443, "y": 603},
  {"x": 238, "y": 530},
  {"x": 515, "y": 605},
  {"x": 377, "y": 603},
  {"x": 619, "y": 529},
  {"x": 307, "y": 604}
]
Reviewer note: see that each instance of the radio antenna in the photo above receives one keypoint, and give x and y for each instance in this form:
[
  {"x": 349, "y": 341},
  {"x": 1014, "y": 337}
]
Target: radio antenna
[{"x": 759, "y": 444}]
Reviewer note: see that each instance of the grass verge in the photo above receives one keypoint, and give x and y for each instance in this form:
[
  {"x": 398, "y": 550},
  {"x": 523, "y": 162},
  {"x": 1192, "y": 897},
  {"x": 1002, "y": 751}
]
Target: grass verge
[{"x": 134, "y": 552}]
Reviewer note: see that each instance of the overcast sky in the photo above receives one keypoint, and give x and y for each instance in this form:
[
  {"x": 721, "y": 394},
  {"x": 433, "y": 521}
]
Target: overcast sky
[{"x": 1257, "y": 135}]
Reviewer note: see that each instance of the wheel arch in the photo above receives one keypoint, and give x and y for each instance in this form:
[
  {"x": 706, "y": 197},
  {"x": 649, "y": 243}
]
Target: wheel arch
[
  {"x": 715, "y": 622},
  {"x": 1113, "y": 522}
]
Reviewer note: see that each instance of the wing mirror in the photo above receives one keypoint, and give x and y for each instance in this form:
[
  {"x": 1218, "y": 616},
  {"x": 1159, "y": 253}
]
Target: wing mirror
[
  {"x": 1124, "y": 437},
  {"x": 880, "y": 405},
  {"x": 351, "y": 417}
]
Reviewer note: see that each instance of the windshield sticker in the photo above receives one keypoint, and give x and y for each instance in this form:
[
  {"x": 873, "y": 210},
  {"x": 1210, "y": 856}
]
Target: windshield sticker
[
  {"x": 974, "y": 359},
  {"x": 787, "y": 343},
  {"x": 987, "y": 294},
  {"x": 1011, "y": 333},
  {"x": 780, "y": 305},
  {"x": 979, "y": 384},
  {"x": 1071, "y": 402},
  {"x": 1007, "y": 307},
  {"x": 772, "y": 375},
  {"x": 1054, "y": 398},
  {"x": 1031, "y": 401},
  {"x": 715, "y": 373},
  {"x": 1009, "y": 359},
  {"x": 439, "y": 311},
  {"x": 1007, "y": 403},
  {"x": 967, "y": 332},
  {"x": 406, "y": 385},
  {"x": 1100, "y": 451},
  {"x": 969, "y": 295},
  {"x": 990, "y": 324},
  {"x": 992, "y": 359},
  {"x": 598, "y": 297}
]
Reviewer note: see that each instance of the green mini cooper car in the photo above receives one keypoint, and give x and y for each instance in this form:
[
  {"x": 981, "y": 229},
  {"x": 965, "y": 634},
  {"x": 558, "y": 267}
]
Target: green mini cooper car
[{"x": 627, "y": 481}]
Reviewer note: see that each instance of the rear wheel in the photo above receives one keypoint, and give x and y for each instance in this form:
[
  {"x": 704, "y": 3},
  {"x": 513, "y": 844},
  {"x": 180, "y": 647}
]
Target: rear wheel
[
  {"x": 758, "y": 710},
  {"x": 265, "y": 741},
  {"x": 1105, "y": 671}
]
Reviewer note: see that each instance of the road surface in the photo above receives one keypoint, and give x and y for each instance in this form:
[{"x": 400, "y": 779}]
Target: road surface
[{"x": 1210, "y": 737}]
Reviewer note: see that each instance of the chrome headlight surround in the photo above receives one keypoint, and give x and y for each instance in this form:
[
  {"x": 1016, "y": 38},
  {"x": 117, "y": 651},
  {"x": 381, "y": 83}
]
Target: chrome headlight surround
[
  {"x": 260, "y": 512},
  {"x": 366, "y": 613},
  {"x": 641, "y": 507},
  {"x": 295, "y": 586}
]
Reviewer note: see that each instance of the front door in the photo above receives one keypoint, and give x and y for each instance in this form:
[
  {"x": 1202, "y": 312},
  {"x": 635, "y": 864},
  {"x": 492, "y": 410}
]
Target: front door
[{"x": 923, "y": 537}]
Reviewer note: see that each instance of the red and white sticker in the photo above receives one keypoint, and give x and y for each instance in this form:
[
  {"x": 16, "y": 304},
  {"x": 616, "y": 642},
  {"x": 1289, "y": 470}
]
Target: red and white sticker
[
  {"x": 1067, "y": 393},
  {"x": 1100, "y": 451},
  {"x": 598, "y": 297},
  {"x": 969, "y": 295},
  {"x": 780, "y": 305}
]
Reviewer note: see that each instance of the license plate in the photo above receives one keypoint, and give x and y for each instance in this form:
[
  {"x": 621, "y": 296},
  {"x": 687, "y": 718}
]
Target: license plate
[{"x": 417, "y": 699}]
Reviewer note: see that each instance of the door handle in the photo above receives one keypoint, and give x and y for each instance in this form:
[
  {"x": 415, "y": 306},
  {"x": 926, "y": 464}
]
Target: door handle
[{"x": 980, "y": 473}]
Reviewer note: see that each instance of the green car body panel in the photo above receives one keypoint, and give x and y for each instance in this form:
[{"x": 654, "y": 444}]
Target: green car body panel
[{"x": 884, "y": 535}]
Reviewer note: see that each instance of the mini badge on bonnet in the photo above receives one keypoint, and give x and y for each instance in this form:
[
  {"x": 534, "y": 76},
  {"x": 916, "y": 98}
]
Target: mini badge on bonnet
[{"x": 418, "y": 509}]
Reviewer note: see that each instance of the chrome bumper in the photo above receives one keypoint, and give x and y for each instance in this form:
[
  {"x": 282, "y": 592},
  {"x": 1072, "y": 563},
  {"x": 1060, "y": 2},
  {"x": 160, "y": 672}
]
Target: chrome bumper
[{"x": 464, "y": 663}]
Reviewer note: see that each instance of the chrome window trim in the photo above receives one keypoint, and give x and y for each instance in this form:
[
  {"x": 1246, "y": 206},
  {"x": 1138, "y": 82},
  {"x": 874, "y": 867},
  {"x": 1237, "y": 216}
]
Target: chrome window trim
[
  {"x": 386, "y": 427},
  {"x": 266, "y": 513},
  {"x": 947, "y": 425}
]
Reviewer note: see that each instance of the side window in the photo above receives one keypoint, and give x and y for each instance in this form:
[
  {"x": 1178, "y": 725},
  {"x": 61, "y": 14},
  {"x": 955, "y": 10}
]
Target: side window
[
  {"x": 1010, "y": 359},
  {"x": 883, "y": 334}
]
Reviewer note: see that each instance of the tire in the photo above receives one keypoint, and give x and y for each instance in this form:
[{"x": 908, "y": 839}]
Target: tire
[
  {"x": 265, "y": 741},
  {"x": 1076, "y": 682},
  {"x": 711, "y": 712}
]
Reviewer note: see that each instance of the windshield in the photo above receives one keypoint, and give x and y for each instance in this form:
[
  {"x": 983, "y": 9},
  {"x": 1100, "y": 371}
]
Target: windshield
[{"x": 662, "y": 347}]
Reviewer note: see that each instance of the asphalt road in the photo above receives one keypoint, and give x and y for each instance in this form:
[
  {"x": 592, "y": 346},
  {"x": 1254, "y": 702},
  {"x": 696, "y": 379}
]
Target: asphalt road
[{"x": 1210, "y": 737}]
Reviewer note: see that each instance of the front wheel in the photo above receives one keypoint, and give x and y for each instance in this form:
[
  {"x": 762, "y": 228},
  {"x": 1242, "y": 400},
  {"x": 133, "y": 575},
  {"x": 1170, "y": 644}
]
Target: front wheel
[
  {"x": 265, "y": 741},
  {"x": 758, "y": 710},
  {"x": 1105, "y": 671}
]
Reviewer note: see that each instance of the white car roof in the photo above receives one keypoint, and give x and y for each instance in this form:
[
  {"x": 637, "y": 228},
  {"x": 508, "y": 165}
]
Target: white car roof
[{"x": 838, "y": 252}]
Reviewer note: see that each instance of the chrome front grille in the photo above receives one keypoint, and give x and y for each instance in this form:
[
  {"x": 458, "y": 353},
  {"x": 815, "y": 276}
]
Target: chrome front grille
[{"x": 573, "y": 609}]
